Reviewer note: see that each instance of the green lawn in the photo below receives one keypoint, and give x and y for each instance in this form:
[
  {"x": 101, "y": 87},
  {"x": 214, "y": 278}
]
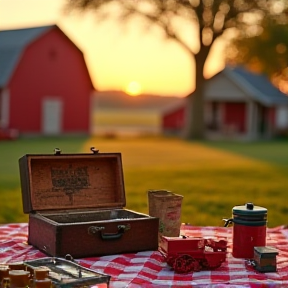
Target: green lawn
[
  {"x": 212, "y": 176},
  {"x": 273, "y": 152}
]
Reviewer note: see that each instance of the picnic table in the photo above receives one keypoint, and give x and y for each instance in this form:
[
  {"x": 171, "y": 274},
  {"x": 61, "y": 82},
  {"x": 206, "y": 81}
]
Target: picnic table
[{"x": 148, "y": 268}]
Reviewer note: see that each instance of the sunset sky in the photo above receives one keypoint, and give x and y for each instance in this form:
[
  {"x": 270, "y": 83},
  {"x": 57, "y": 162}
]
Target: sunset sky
[{"x": 115, "y": 56}]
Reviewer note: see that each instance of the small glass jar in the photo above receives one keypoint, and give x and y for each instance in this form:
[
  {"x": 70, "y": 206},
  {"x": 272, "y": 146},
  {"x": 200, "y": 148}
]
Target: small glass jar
[
  {"x": 19, "y": 278},
  {"x": 4, "y": 272},
  {"x": 41, "y": 273}
]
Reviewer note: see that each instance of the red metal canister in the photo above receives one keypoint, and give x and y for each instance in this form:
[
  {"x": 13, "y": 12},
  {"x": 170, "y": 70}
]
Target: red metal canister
[{"x": 249, "y": 229}]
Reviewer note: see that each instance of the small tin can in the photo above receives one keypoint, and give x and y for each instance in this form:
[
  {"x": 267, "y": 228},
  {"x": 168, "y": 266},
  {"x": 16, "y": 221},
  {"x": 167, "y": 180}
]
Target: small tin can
[
  {"x": 265, "y": 259},
  {"x": 249, "y": 229}
]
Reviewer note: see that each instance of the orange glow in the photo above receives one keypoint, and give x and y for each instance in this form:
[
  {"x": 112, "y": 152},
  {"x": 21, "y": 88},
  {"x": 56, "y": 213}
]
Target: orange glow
[
  {"x": 133, "y": 88},
  {"x": 114, "y": 55}
]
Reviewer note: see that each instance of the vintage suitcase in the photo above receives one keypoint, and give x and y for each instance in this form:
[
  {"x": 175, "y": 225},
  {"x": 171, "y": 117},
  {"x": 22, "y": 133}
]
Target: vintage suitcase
[{"x": 76, "y": 206}]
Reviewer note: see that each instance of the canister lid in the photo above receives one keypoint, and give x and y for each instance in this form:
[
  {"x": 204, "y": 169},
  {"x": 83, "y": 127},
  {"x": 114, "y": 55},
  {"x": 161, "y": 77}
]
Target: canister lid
[
  {"x": 266, "y": 250},
  {"x": 249, "y": 209}
]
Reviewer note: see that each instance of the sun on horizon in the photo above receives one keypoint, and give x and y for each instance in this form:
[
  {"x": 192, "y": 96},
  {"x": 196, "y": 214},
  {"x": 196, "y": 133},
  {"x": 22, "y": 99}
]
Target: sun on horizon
[{"x": 133, "y": 88}]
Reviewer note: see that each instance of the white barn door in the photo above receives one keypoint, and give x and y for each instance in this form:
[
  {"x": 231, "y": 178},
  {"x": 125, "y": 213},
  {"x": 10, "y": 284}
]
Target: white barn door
[
  {"x": 4, "y": 108},
  {"x": 52, "y": 116}
]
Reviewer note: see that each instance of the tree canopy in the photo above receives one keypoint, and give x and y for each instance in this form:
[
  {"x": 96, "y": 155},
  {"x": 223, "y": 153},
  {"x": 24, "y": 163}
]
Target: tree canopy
[
  {"x": 266, "y": 52},
  {"x": 187, "y": 21}
]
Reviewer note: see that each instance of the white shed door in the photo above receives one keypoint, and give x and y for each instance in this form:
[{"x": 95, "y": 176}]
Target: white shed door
[
  {"x": 282, "y": 117},
  {"x": 52, "y": 116}
]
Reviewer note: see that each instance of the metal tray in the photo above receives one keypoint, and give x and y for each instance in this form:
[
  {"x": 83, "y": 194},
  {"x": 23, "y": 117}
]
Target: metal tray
[{"x": 66, "y": 273}]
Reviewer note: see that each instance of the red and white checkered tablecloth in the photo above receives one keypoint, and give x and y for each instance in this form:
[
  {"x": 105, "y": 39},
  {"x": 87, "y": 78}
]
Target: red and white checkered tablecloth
[{"x": 148, "y": 269}]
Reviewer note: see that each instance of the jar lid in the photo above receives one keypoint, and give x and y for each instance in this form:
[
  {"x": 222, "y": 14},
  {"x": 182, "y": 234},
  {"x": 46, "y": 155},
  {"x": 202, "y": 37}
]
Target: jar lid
[{"x": 249, "y": 209}]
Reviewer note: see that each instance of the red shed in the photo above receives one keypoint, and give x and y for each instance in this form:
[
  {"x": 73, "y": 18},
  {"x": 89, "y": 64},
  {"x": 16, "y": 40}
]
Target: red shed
[
  {"x": 45, "y": 86},
  {"x": 238, "y": 104}
]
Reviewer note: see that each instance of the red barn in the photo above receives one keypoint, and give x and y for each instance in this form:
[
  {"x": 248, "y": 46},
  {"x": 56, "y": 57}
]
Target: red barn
[
  {"x": 45, "y": 87},
  {"x": 238, "y": 104}
]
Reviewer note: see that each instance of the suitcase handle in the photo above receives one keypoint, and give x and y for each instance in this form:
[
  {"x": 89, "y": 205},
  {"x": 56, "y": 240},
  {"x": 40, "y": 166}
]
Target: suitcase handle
[{"x": 109, "y": 236}]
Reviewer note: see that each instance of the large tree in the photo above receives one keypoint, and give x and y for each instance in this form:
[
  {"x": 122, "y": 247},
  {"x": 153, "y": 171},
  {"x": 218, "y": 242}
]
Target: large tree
[{"x": 209, "y": 18}]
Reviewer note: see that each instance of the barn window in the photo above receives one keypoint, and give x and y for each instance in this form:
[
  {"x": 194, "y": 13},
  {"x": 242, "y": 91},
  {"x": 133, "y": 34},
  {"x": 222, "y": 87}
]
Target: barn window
[{"x": 52, "y": 54}]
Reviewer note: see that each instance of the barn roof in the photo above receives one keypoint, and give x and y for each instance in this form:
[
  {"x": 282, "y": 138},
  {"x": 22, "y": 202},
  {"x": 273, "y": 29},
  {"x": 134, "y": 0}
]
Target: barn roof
[
  {"x": 257, "y": 86},
  {"x": 12, "y": 44}
]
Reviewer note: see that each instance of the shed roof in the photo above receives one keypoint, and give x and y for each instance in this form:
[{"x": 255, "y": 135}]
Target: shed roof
[
  {"x": 257, "y": 86},
  {"x": 12, "y": 44}
]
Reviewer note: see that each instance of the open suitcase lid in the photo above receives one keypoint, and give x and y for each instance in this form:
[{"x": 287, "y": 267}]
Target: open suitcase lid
[{"x": 71, "y": 181}]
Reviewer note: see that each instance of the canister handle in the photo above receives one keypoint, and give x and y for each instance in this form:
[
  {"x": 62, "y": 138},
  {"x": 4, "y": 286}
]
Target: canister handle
[{"x": 228, "y": 222}]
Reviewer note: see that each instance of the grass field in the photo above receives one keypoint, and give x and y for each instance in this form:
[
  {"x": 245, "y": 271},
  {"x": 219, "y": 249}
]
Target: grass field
[
  {"x": 213, "y": 177},
  {"x": 126, "y": 122}
]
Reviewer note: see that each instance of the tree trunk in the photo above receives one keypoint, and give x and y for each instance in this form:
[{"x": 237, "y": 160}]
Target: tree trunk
[{"x": 194, "y": 109}]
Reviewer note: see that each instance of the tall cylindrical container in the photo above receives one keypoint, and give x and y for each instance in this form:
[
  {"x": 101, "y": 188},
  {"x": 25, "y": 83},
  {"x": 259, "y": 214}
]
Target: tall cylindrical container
[
  {"x": 166, "y": 206},
  {"x": 249, "y": 229}
]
